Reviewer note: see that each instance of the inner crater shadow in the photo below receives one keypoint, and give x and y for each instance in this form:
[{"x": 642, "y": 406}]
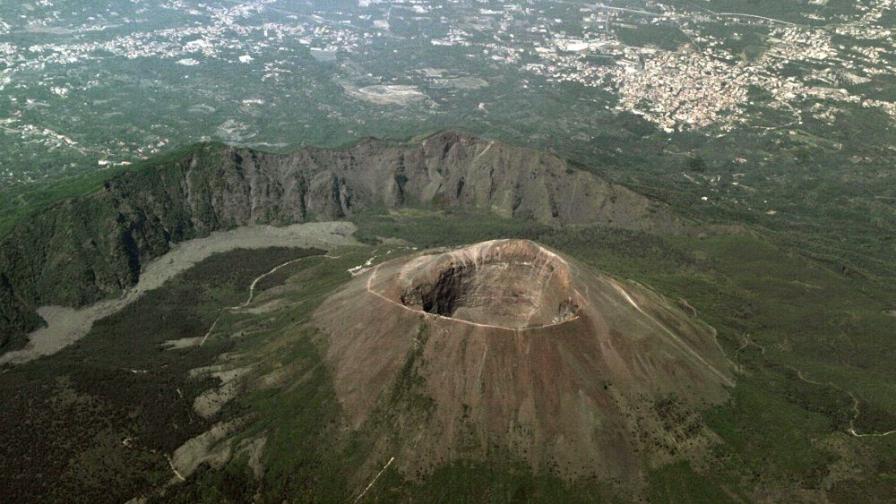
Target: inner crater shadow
[{"x": 509, "y": 283}]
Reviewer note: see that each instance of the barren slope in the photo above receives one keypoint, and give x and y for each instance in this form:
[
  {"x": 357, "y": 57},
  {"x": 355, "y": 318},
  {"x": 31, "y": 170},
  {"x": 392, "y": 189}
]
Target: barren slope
[{"x": 507, "y": 344}]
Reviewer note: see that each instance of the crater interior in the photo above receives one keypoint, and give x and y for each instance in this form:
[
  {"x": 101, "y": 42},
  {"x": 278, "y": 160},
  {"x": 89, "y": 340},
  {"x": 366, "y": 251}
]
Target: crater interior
[{"x": 508, "y": 283}]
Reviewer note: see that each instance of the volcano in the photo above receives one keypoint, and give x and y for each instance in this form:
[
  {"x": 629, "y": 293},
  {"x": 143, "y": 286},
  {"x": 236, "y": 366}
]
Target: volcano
[{"x": 508, "y": 346}]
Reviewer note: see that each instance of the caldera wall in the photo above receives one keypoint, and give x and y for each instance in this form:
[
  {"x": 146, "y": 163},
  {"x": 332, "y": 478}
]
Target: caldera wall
[{"x": 92, "y": 247}]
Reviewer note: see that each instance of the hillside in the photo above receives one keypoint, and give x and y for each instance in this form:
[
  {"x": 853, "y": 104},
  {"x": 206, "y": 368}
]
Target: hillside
[
  {"x": 276, "y": 375},
  {"x": 508, "y": 345},
  {"x": 91, "y": 247}
]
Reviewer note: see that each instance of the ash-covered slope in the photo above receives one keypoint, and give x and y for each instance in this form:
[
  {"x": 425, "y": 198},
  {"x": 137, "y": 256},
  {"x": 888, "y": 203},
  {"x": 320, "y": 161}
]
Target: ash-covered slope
[
  {"x": 88, "y": 248},
  {"x": 507, "y": 345}
]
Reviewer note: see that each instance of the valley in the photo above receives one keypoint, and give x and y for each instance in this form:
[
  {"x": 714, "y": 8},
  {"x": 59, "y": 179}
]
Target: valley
[
  {"x": 447, "y": 251},
  {"x": 278, "y": 375},
  {"x": 294, "y": 366},
  {"x": 66, "y": 325}
]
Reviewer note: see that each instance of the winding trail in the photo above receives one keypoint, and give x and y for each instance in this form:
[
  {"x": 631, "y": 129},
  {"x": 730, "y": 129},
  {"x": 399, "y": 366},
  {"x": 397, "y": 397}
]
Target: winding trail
[
  {"x": 855, "y": 400},
  {"x": 252, "y": 287},
  {"x": 855, "y": 406},
  {"x": 852, "y": 422},
  {"x": 271, "y": 272}
]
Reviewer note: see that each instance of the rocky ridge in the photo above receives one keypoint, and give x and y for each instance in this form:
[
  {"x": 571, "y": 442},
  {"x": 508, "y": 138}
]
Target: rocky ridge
[{"x": 88, "y": 248}]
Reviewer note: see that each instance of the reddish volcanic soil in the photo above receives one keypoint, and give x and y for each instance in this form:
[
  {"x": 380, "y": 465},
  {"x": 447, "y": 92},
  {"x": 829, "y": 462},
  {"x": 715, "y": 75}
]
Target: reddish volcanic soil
[{"x": 506, "y": 344}]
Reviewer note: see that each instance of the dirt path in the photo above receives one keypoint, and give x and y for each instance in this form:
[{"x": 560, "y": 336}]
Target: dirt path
[
  {"x": 271, "y": 272},
  {"x": 748, "y": 341},
  {"x": 67, "y": 325},
  {"x": 855, "y": 404},
  {"x": 248, "y": 300},
  {"x": 852, "y": 422},
  {"x": 358, "y": 499}
]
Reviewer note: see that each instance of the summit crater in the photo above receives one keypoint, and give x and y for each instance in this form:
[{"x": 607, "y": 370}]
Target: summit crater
[
  {"x": 513, "y": 284},
  {"x": 509, "y": 345}
]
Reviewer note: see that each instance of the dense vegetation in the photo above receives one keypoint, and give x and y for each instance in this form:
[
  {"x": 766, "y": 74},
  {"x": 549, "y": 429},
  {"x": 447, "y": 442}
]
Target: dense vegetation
[{"x": 94, "y": 422}]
